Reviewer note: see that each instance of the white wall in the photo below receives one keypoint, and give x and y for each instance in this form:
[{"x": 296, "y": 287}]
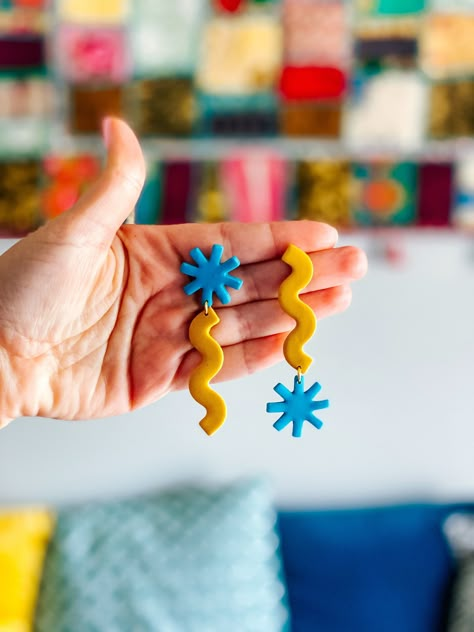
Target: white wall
[{"x": 398, "y": 368}]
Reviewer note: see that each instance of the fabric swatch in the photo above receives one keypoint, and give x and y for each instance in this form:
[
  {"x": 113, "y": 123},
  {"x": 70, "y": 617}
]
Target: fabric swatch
[
  {"x": 447, "y": 45},
  {"x": 311, "y": 82},
  {"x": 147, "y": 210},
  {"x": 19, "y": 197},
  {"x": 451, "y": 112},
  {"x": 322, "y": 192},
  {"x": 93, "y": 12},
  {"x": 164, "y": 107},
  {"x": 22, "y": 52},
  {"x": 86, "y": 54},
  {"x": 21, "y": 20},
  {"x": 211, "y": 203},
  {"x": 255, "y": 185},
  {"x": 385, "y": 193},
  {"x": 316, "y": 33},
  {"x": 463, "y": 213},
  {"x": 229, "y": 6},
  {"x": 319, "y": 120},
  {"x": 390, "y": 7},
  {"x": 23, "y": 136},
  {"x": 387, "y": 110},
  {"x": 156, "y": 28},
  {"x": 240, "y": 56},
  {"x": 66, "y": 179},
  {"x": 178, "y": 183},
  {"x": 28, "y": 96},
  {"x": 435, "y": 194},
  {"x": 90, "y": 104}
]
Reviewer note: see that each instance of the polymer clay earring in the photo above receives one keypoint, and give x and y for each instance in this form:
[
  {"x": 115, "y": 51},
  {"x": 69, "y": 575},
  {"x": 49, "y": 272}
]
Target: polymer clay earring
[
  {"x": 212, "y": 277},
  {"x": 297, "y": 406}
]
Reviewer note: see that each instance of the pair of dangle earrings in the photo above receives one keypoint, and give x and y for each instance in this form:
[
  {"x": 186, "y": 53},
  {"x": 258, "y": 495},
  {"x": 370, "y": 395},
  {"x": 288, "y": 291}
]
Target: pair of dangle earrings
[{"x": 213, "y": 277}]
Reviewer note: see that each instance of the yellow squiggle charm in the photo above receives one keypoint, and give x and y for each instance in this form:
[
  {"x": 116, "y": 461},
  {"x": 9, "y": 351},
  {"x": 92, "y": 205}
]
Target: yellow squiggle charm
[
  {"x": 302, "y": 272},
  {"x": 211, "y": 364}
]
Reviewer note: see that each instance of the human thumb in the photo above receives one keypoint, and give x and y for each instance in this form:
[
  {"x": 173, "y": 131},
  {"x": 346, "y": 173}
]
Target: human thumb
[{"x": 98, "y": 214}]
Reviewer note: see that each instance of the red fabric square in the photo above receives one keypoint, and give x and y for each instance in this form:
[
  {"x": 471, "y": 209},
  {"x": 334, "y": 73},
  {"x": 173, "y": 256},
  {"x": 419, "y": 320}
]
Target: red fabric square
[{"x": 312, "y": 82}]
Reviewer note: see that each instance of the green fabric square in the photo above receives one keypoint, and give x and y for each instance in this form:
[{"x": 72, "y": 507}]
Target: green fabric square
[
  {"x": 385, "y": 193},
  {"x": 391, "y": 7},
  {"x": 183, "y": 561}
]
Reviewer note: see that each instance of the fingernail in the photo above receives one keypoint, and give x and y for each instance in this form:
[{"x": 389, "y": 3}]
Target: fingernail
[{"x": 106, "y": 131}]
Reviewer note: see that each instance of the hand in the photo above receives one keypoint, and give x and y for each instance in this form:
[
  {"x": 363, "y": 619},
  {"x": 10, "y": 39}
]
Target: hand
[{"x": 93, "y": 317}]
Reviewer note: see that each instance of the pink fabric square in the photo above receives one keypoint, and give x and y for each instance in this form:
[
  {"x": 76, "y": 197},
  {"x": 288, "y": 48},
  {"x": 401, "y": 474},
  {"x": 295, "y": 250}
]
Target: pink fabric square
[
  {"x": 86, "y": 54},
  {"x": 255, "y": 186},
  {"x": 316, "y": 32}
]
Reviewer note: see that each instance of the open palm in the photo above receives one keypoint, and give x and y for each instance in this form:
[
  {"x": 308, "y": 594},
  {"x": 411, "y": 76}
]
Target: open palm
[{"x": 93, "y": 317}]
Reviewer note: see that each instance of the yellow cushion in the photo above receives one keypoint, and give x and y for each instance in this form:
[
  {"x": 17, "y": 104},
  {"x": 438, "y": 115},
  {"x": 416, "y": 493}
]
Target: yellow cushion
[{"x": 24, "y": 536}]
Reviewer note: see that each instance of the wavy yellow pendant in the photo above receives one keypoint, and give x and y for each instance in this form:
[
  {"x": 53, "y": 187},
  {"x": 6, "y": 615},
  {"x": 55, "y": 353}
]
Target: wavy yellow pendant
[
  {"x": 301, "y": 275},
  {"x": 211, "y": 364}
]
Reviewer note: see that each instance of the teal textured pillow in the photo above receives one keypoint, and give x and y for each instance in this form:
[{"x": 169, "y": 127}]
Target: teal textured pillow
[{"x": 184, "y": 561}]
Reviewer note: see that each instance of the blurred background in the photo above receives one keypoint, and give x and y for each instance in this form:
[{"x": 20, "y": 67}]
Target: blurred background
[{"x": 360, "y": 114}]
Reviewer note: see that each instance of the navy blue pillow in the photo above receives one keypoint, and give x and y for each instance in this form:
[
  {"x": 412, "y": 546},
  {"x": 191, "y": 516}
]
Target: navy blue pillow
[{"x": 367, "y": 570}]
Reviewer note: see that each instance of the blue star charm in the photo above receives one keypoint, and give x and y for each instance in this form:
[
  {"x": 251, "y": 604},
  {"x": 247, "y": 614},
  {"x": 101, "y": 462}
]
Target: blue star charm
[
  {"x": 211, "y": 276},
  {"x": 297, "y": 406}
]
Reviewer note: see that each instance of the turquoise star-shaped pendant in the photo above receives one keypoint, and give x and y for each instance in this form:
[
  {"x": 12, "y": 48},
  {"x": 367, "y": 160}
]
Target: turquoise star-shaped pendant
[
  {"x": 297, "y": 406},
  {"x": 211, "y": 276}
]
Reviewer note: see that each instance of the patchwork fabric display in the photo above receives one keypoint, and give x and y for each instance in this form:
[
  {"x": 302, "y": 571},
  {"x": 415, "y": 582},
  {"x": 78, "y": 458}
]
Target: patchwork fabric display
[
  {"x": 387, "y": 110},
  {"x": 24, "y": 536},
  {"x": 463, "y": 214},
  {"x": 316, "y": 33},
  {"x": 385, "y": 193},
  {"x": 67, "y": 179},
  {"x": 451, "y": 112},
  {"x": 322, "y": 192},
  {"x": 19, "y": 196},
  {"x": 165, "y": 36},
  {"x": 459, "y": 529},
  {"x": 255, "y": 186},
  {"x": 447, "y": 44},
  {"x": 89, "y": 54},
  {"x": 187, "y": 560},
  {"x": 90, "y": 104},
  {"x": 164, "y": 107},
  {"x": 240, "y": 56}
]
